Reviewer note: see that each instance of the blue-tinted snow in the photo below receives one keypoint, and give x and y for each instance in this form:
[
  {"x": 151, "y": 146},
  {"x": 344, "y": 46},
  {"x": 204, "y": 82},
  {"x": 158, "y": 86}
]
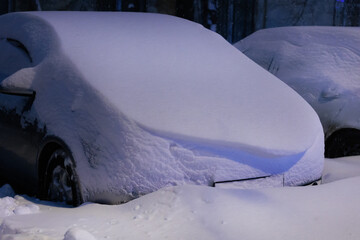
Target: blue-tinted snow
[{"x": 320, "y": 63}]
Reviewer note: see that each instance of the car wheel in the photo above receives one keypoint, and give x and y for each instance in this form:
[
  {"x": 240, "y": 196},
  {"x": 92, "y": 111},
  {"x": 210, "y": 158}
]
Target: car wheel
[
  {"x": 62, "y": 183},
  {"x": 345, "y": 142}
]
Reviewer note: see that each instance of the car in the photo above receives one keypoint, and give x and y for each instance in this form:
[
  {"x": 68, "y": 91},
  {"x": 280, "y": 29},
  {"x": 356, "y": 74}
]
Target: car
[
  {"x": 107, "y": 107},
  {"x": 322, "y": 65}
]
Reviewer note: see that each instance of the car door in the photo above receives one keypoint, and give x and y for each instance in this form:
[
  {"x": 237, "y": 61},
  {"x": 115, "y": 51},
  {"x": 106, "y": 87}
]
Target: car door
[{"x": 20, "y": 132}]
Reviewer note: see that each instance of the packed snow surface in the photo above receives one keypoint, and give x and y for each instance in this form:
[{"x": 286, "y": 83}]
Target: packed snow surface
[
  {"x": 146, "y": 100},
  {"x": 340, "y": 168},
  {"x": 320, "y": 63},
  {"x": 325, "y": 212}
]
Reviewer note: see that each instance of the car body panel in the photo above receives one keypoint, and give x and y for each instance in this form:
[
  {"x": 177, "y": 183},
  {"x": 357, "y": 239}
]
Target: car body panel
[{"x": 19, "y": 142}]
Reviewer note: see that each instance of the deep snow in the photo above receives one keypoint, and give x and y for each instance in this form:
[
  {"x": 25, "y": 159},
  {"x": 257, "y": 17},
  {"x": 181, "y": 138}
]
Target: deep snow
[
  {"x": 179, "y": 80},
  {"x": 328, "y": 211},
  {"x": 320, "y": 63}
]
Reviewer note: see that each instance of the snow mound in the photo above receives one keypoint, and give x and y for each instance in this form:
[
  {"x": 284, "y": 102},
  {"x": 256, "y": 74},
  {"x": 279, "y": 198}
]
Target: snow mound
[
  {"x": 12, "y": 206},
  {"x": 326, "y": 212},
  {"x": 6, "y": 191},
  {"x": 341, "y": 168},
  {"x": 78, "y": 234}
]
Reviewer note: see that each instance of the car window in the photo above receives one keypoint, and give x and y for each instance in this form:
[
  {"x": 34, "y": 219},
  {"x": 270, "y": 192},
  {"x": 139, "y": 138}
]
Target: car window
[{"x": 13, "y": 57}]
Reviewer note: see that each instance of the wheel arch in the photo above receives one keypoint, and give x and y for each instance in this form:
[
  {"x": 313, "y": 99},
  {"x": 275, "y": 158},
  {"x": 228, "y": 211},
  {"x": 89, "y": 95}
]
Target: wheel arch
[
  {"x": 346, "y": 132},
  {"x": 47, "y": 147}
]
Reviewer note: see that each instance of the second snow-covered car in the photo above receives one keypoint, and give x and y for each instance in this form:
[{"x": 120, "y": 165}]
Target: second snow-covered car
[
  {"x": 323, "y": 65},
  {"x": 107, "y": 107}
]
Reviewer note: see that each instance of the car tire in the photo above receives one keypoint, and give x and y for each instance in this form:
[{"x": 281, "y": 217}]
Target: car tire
[
  {"x": 345, "y": 142},
  {"x": 62, "y": 184}
]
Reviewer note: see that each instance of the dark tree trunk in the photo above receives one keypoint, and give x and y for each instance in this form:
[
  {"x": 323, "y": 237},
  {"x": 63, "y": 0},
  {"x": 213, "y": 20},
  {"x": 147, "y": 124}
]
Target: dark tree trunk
[
  {"x": 4, "y": 6},
  {"x": 236, "y": 18},
  {"x": 22, "y": 5},
  {"x": 185, "y": 9},
  {"x": 106, "y": 5},
  {"x": 222, "y": 17},
  {"x": 352, "y": 12}
]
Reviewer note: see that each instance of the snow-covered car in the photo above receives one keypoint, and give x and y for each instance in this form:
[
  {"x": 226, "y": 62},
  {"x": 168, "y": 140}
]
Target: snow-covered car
[
  {"x": 107, "y": 107},
  {"x": 323, "y": 65}
]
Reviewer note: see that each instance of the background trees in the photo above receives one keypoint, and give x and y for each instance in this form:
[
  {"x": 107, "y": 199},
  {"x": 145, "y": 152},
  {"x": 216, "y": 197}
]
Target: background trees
[{"x": 233, "y": 19}]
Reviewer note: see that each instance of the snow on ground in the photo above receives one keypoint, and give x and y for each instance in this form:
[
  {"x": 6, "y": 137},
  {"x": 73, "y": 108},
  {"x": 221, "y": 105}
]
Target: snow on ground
[
  {"x": 327, "y": 211},
  {"x": 339, "y": 168}
]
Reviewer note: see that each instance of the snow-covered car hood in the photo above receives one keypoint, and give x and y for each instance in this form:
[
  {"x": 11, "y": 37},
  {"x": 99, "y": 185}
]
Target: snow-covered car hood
[
  {"x": 179, "y": 80},
  {"x": 320, "y": 63}
]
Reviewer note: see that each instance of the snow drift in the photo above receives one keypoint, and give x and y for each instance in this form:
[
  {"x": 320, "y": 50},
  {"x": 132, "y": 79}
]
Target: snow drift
[{"x": 326, "y": 212}]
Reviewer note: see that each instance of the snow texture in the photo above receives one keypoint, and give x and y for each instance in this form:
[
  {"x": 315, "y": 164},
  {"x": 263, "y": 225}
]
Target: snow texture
[
  {"x": 78, "y": 234},
  {"x": 146, "y": 101},
  {"x": 11, "y": 205},
  {"x": 320, "y": 63},
  {"x": 340, "y": 168},
  {"x": 326, "y": 212}
]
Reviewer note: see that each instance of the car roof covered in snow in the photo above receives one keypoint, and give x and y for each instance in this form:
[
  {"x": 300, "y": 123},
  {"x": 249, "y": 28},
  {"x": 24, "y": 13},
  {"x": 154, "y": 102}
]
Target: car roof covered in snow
[{"x": 173, "y": 77}]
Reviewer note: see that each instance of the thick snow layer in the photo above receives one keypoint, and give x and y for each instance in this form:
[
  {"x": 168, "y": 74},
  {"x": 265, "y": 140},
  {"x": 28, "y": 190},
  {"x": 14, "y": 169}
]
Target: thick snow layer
[
  {"x": 340, "y": 168},
  {"x": 320, "y": 63},
  {"x": 12, "y": 205},
  {"x": 146, "y": 101},
  {"x": 177, "y": 78},
  {"x": 78, "y": 234},
  {"x": 325, "y": 212}
]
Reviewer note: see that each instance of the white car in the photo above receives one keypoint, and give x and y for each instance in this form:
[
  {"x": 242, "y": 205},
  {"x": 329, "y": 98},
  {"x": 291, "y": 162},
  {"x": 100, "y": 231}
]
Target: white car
[
  {"x": 107, "y": 107},
  {"x": 323, "y": 65}
]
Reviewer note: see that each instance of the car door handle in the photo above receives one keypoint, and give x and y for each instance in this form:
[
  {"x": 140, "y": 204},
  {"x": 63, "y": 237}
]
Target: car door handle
[{"x": 18, "y": 92}]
